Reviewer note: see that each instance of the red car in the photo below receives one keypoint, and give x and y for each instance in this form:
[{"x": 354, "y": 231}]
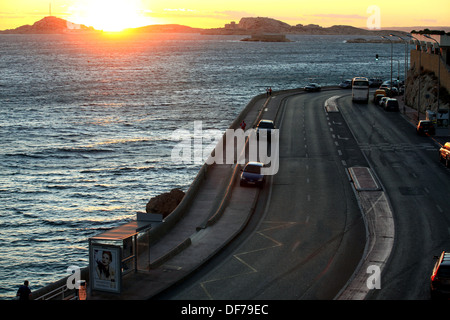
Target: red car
[
  {"x": 425, "y": 127},
  {"x": 444, "y": 154},
  {"x": 440, "y": 278}
]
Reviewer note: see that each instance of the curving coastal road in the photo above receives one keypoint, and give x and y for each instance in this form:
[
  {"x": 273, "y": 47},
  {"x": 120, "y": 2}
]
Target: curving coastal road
[{"x": 307, "y": 235}]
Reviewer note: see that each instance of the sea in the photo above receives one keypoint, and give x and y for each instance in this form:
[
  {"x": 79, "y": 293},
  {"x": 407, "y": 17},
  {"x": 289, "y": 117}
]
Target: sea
[{"x": 87, "y": 126}]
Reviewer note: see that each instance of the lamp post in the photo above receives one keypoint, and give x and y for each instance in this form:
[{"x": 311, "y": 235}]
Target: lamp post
[
  {"x": 391, "y": 57},
  {"x": 420, "y": 67},
  {"x": 439, "y": 67},
  {"x": 406, "y": 52}
]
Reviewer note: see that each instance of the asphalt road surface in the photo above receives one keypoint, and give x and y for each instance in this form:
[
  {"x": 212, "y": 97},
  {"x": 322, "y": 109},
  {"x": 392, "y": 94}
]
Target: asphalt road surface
[
  {"x": 307, "y": 234},
  {"x": 418, "y": 187}
]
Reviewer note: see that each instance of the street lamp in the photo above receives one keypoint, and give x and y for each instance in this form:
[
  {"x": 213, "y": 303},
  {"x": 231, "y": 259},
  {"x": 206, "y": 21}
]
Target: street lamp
[
  {"x": 420, "y": 67},
  {"x": 391, "y": 56},
  {"x": 406, "y": 52},
  {"x": 439, "y": 67}
]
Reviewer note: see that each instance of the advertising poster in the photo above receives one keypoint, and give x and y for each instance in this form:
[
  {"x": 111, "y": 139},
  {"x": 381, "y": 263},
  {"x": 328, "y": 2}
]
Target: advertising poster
[{"x": 105, "y": 268}]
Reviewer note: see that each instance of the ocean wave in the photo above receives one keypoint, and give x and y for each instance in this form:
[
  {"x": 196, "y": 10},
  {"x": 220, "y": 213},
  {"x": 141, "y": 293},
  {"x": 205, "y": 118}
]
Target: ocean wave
[
  {"x": 81, "y": 150},
  {"x": 60, "y": 152}
]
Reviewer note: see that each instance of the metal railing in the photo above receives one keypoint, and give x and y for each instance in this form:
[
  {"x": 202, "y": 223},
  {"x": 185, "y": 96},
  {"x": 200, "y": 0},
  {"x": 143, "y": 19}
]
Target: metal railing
[{"x": 60, "y": 293}]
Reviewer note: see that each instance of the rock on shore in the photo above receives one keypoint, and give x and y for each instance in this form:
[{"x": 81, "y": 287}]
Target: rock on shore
[{"x": 165, "y": 203}]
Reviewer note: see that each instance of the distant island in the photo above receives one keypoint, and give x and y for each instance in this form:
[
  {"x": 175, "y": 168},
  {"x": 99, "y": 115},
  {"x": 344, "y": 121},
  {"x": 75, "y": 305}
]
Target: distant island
[
  {"x": 260, "y": 28},
  {"x": 51, "y": 25},
  {"x": 262, "y": 25}
]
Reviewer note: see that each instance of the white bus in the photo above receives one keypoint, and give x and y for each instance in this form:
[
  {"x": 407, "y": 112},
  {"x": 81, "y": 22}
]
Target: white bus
[{"x": 360, "y": 89}]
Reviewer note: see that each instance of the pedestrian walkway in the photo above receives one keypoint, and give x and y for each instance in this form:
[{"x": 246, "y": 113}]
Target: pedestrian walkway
[{"x": 410, "y": 114}]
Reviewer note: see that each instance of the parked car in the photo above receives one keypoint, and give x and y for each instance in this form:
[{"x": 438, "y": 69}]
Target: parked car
[
  {"x": 377, "y": 99},
  {"x": 251, "y": 174},
  {"x": 390, "y": 91},
  {"x": 383, "y": 101},
  {"x": 378, "y": 94},
  {"x": 266, "y": 125},
  {"x": 375, "y": 82},
  {"x": 391, "y": 105},
  {"x": 444, "y": 154},
  {"x": 310, "y": 87},
  {"x": 346, "y": 84},
  {"x": 440, "y": 277},
  {"x": 395, "y": 83},
  {"x": 425, "y": 127}
]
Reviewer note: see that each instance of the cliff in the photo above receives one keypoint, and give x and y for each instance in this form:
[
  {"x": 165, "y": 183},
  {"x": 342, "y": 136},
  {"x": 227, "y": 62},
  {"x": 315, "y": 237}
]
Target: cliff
[
  {"x": 425, "y": 84},
  {"x": 50, "y": 24}
]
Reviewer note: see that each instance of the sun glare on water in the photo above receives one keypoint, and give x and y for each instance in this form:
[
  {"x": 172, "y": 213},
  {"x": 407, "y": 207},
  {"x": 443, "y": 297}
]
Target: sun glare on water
[{"x": 113, "y": 15}]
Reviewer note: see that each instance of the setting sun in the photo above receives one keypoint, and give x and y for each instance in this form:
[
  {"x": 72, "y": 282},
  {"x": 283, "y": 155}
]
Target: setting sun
[{"x": 111, "y": 15}]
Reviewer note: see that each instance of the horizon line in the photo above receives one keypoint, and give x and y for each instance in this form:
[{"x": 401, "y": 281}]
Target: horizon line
[{"x": 162, "y": 24}]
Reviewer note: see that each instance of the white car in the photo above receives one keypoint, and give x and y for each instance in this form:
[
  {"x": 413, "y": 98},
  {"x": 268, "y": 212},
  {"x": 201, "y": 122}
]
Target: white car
[{"x": 383, "y": 101}]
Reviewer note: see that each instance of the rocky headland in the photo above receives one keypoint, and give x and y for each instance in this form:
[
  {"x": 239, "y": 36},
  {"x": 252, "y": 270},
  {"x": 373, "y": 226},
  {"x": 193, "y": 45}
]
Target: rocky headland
[{"x": 50, "y": 25}]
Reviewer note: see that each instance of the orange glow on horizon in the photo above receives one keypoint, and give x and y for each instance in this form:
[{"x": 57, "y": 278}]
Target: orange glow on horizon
[{"x": 109, "y": 15}]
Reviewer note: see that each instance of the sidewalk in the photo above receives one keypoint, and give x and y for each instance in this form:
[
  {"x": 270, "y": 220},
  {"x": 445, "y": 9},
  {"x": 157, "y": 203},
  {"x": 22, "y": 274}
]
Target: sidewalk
[
  {"x": 196, "y": 243},
  {"x": 442, "y": 135}
]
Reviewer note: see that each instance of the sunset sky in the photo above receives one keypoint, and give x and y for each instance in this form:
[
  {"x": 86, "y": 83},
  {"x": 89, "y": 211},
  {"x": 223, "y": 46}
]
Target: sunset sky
[{"x": 103, "y": 14}]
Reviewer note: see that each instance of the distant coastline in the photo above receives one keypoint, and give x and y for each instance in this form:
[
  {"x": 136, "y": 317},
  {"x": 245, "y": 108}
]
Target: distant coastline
[
  {"x": 361, "y": 40},
  {"x": 247, "y": 26}
]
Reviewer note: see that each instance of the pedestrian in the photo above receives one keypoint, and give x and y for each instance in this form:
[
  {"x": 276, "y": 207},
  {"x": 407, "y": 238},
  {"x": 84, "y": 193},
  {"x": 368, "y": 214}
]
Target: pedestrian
[
  {"x": 270, "y": 91},
  {"x": 243, "y": 125},
  {"x": 24, "y": 292}
]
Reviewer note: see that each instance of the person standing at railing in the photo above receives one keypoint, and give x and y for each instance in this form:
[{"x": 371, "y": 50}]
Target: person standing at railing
[{"x": 24, "y": 292}]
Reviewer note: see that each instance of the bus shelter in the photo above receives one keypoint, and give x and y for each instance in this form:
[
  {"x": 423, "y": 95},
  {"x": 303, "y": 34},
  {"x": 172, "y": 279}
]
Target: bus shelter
[{"x": 116, "y": 252}]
